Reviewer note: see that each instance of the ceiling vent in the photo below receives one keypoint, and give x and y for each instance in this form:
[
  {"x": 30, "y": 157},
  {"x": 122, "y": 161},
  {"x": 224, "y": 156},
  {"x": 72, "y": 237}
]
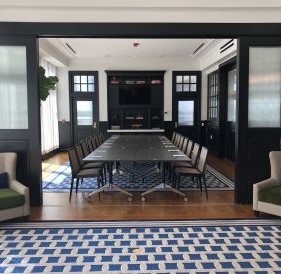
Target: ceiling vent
[
  {"x": 226, "y": 46},
  {"x": 201, "y": 47},
  {"x": 70, "y": 48}
]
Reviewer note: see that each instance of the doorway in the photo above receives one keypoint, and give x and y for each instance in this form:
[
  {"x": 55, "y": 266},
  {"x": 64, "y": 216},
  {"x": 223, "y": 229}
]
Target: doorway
[{"x": 84, "y": 105}]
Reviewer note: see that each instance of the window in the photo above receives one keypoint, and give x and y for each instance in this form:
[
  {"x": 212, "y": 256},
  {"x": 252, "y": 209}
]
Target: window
[
  {"x": 186, "y": 83},
  {"x": 185, "y": 113},
  {"x": 186, "y": 98},
  {"x": 13, "y": 88},
  {"x": 84, "y": 113},
  {"x": 213, "y": 96},
  {"x": 264, "y": 87},
  {"x": 84, "y": 83}
]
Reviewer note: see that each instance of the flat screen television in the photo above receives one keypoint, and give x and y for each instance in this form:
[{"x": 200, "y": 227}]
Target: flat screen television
[{"x": 134, "y": 94}]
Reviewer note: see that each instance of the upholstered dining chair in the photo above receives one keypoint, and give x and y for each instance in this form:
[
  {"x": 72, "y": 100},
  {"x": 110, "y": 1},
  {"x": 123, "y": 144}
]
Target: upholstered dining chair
[
  {"x": 173, "y": 137},
  {"x": 83, "y": 165},
  {"x": 85, "y": 148},
  {"x": 78, "y": 173},
  {"x": 197, "y": 172},
  {"x": 267, "y": 193},
  {"x": 89, "y": 144},
  {"x": 192, "y": 163}
]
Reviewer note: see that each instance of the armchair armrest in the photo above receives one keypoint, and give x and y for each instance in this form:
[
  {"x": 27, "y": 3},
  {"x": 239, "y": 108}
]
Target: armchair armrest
[
  {"x": 22, "y": 189},
  {"x": 259, "y": 186}
]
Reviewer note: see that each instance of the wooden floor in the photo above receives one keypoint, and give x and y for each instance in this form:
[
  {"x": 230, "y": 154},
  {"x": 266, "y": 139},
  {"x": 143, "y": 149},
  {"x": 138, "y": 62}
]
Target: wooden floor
[{"x": 159, "y": 205}]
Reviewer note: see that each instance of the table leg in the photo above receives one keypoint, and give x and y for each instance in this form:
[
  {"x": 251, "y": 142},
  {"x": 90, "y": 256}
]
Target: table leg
[{"x": 163, "y": 186}]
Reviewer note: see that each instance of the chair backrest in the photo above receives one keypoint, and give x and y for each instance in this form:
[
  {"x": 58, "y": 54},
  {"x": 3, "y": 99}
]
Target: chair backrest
[
  {"x": 202, "y": 159},
  {"x": 94, "y": 144},
  {"x": 100, "y": 138},
  {"x": 173, "y": 137},
  {"x": 80, "y": 154},
  {"x": 97, "y": 140},
  {"x": 8, "y": 163},
  {"x": 189, "y": 148},
  {"x": 85, "y": 148},
  {"x": 74, "y": 163},
  {"x": 275, "y": 165},
  {"x": 195, "y": 153},
  {"x": 184, "y": 145},
  {"x": 177, "y": 140},
  {"x": 89, "y": 143},
  {"x": 181, "y": 142}
]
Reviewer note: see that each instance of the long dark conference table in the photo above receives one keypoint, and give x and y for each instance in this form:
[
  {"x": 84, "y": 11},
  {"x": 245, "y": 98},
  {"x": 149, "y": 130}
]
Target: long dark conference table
[{"x": 137, "y": 148}]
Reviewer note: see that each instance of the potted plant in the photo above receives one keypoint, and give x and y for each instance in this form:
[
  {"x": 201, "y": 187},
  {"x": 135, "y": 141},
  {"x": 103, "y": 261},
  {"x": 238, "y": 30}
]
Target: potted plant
[{"x": 46, "y": 83}]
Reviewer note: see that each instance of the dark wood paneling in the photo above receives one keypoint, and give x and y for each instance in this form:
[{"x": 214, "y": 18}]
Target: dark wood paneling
[
  {"x": 65, "y": 139},
  {"x": 212, "y": 137},
  {"x": 169, "y": 128},
  {"x": 146, "y": 30},
  {"x": 103, "y": 126}
]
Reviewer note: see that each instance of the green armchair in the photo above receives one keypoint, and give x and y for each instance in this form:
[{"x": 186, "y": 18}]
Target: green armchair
[
  {"x": 267, "y": 193},
  {"x": 14, "y": 199}
]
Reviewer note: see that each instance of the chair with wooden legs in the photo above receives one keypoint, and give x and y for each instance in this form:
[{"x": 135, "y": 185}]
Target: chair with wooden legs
[
  {"x": 197, "y": 172},
  {"x": 78, "y": 173}
]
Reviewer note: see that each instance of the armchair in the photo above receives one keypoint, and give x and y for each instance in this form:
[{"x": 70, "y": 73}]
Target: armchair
[
  {"x": 14, "y": 201},
  {"x": 267, "y": 193}
]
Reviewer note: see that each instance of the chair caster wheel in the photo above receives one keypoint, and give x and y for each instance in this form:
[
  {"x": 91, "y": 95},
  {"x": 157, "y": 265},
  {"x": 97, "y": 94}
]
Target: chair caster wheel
[
  {"x": 185, "y": 199},
  {"x": 130, "y": 199},
  {"x": 143, "y": 199}
]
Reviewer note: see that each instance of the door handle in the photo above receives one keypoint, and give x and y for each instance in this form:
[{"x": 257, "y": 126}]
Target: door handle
[
  {"x": 94, "y": 125},
  {"x": 176, "y": 124}
]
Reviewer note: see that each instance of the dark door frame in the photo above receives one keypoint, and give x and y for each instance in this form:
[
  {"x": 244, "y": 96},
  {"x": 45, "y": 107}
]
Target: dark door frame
[
  {"x": 189, "y": 131},
  {"x": 242, "y": 31},
  {"x": 83, "y": 96},
  {"x": 223, "y": 104}
]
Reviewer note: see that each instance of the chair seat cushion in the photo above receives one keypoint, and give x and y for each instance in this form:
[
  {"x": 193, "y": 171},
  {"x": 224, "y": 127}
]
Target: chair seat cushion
[
  {"x": 93, "y": 165},
  {"x": 91, "y": 172},
  {"x": 187, "y": 171},
  {"x": 10, "y": 198},
  {"x": 271, "y": 195}
]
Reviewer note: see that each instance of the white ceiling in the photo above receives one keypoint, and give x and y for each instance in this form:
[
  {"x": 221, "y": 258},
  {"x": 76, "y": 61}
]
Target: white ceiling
[{"x": 87, "y": 48}]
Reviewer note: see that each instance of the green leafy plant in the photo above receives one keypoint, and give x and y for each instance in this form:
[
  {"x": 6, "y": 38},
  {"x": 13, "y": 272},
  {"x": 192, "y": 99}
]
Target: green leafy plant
[{"x": 46, "y": 83}]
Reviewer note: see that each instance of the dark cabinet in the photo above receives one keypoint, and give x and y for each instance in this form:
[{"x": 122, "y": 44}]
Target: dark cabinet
[{"x": 135, "y": 99}]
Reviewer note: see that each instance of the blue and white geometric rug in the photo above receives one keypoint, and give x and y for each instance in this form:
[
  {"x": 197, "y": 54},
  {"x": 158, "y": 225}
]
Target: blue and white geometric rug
[
  {"x": 215, "y": 246},
  {"x": 60, "y": 179}
]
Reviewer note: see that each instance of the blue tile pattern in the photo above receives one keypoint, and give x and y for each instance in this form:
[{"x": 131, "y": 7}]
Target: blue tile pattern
[
  {"x": 142, "y": 247},
  {"x": 60, "y": 179}
]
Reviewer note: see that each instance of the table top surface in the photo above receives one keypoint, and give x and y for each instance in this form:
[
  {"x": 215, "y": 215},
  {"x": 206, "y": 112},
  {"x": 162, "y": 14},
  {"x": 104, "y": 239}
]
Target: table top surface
[{"x": 137, "y": 148}]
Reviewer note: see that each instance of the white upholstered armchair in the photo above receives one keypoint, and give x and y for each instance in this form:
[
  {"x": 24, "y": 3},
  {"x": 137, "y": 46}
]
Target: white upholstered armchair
[
  {"x": 267, "y": 193},
  {"x": 14, "y": 201}
]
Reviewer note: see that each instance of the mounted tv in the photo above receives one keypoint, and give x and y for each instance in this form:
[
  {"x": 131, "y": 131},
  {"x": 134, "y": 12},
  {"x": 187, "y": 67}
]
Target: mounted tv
[{"x": 134, "y": 95}]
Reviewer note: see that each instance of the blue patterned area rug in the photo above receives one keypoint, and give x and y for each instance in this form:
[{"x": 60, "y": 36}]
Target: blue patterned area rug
[
  {"x": 59, "y": 180},
  {"x": 214, "y": 246}
]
